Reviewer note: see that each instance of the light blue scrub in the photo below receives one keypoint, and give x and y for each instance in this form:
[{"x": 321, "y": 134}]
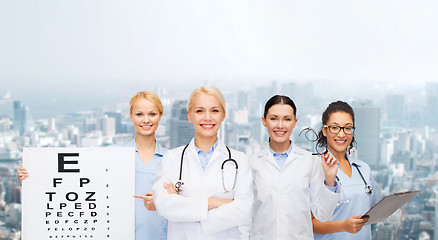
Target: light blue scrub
[
  {"x": 148, "y": 224},
  {"x": 359, "y": 201}
]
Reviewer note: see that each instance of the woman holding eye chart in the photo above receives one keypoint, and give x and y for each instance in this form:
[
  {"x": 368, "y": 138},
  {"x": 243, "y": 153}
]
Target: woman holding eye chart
[
  {"x": 288, "y": 180},
  {"x": 145, "y": 113},
  {"x": 353, "y": 175}
]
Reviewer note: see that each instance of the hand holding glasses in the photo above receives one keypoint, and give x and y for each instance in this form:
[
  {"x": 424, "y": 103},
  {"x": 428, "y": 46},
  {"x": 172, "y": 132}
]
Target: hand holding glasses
[{"x": 311, "y": 135}]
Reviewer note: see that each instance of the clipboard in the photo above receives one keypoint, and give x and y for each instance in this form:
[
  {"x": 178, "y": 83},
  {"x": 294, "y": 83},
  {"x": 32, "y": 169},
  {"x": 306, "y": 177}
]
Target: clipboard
[{"x": 387, "y": 206}]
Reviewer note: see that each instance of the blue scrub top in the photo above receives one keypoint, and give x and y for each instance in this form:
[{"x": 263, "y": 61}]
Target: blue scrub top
[
  {"x": 148, "y": 224},
  {"x": 359, "y": 201}
]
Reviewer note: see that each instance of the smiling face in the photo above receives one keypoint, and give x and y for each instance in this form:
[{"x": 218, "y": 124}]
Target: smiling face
[
  {"x": 145, "y": 116},
  {"x": 280, "y": 121},
  {"x": 206, "y": 113},
  {"x": 337, "y": 143}
]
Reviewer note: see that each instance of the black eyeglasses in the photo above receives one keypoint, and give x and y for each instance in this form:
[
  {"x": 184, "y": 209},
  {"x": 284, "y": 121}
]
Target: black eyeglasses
[
  {"x": 311, "y": 135},
  {"x": 335, "y": 129}
]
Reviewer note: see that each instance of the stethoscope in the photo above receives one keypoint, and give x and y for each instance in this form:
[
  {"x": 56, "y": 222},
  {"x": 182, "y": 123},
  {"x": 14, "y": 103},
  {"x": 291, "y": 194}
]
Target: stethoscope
[
  {"x": 368, "y": 188},
  {"x": 179, "y": 186}
]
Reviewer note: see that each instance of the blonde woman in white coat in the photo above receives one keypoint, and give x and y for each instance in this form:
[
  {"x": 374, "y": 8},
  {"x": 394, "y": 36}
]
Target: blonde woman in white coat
[
  {"x": 289, "y": 181},
  {"x": 212, "y": 204}
]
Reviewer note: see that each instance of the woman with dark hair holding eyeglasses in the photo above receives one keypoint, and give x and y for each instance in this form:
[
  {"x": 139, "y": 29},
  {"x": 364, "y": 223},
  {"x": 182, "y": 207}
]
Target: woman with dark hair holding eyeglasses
[
  {"x": 288, "y": 180},
  {"x": 354, "y": 176}
]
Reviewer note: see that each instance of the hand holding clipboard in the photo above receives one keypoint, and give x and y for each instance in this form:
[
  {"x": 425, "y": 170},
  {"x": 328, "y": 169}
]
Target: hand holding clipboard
[{"x": 387, "y": 206}]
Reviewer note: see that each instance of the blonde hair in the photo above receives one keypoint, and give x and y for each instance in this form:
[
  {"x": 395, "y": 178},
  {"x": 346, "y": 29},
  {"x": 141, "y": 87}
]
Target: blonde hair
[
  {"x": 210, "y": 90},
  {"x": 150, "y": 96}
]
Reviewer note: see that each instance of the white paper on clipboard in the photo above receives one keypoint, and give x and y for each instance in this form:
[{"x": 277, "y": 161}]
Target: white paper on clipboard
[{"x": 388, "y": 205}]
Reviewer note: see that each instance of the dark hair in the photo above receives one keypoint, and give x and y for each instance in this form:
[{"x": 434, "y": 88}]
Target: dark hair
[
  {"x": 338, "y": 106},
  {"x": 279, "y": 99}
]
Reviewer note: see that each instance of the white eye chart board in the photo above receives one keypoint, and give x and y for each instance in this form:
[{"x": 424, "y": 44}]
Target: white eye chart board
[{"x": 78, "y": 193}]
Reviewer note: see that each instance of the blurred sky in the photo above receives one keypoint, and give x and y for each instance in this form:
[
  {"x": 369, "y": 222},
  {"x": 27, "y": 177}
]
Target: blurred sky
[{"x": 88, "y": 52}]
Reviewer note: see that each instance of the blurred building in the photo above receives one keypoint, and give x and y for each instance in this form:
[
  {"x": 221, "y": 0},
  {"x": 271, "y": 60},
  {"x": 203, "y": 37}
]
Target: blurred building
[
  {"x": 118, "y": 121},
  {"x": 7, "y": 108},
  {"x": 301, "y": 93},
  {"x": 242, "y": 100},
  {"x": 261, "y": 96},
  {"x": 23, "y": 120},
  {"x": 383, "y": 232},
  {"x": 395, "y": 109},
  {"x": 107, "y": 125},
  {"x": 431, "y": 111},
  {"x": 367, "y": 135},
  {"x": 13, "y": 215},
  {"x": 181, "y": 130}
]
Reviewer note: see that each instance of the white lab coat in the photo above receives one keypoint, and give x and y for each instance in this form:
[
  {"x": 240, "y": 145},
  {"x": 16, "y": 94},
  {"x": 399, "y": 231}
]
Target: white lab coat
[
  {"x": 283, "y": 197},
  {"x": 187, "y": 213}
]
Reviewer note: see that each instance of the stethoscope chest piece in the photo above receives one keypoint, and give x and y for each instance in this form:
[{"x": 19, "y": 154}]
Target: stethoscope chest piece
[
  {"x": 368, "y": 189},
  {"x": 179, "y": 186}
]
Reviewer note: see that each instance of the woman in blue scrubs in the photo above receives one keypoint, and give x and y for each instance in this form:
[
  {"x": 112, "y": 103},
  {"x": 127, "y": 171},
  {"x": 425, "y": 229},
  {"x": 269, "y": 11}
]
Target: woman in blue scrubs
[
  {"x": 354, "y": 176},
  {"x": 145, "y": 112}
]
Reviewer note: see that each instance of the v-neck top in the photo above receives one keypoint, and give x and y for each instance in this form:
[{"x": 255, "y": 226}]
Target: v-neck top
[
  {"x": 359, "y": 202},
  {"x": 148, "y": 224}
]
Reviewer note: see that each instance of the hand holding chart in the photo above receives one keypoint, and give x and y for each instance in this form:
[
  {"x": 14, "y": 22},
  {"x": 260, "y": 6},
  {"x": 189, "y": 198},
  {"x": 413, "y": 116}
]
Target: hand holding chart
[{"x": 387, "y": 206}]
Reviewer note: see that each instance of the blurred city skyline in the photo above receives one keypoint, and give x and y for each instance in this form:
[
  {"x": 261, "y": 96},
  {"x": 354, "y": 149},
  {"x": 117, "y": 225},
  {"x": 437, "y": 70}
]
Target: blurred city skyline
[
  {"x": 88, "y": 58},
  {"x": 69, "y": 101},
  {"x": 60, "y": 56}
]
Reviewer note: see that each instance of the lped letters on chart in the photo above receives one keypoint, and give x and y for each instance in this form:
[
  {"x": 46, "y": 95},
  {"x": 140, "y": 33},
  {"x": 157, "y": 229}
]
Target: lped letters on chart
[{"x": 65, "y": 205}]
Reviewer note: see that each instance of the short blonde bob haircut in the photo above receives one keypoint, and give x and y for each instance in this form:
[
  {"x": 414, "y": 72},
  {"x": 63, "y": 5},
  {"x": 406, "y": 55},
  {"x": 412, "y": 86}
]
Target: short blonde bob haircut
[
  {"x": 150, "y": 96},
  {"x": 210, "y": 90}
]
